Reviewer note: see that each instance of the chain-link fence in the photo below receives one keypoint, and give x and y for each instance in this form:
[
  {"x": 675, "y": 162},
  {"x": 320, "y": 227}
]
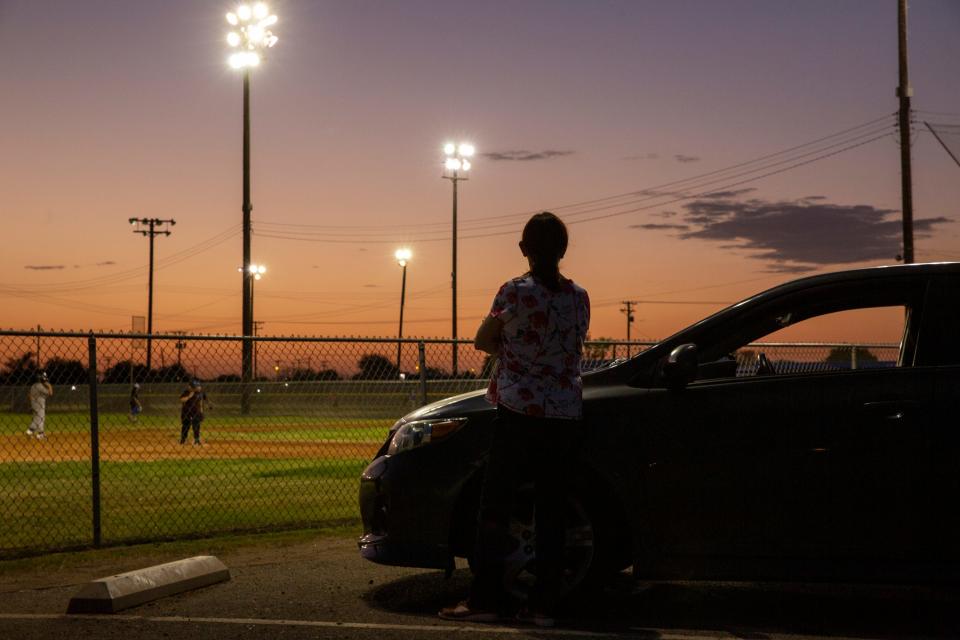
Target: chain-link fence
[{"x": 121, "y": 447}]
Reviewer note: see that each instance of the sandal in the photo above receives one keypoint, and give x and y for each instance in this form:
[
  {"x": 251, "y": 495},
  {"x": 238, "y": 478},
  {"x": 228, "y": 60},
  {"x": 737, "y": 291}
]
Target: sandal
[{"x": 463, "y": 611}]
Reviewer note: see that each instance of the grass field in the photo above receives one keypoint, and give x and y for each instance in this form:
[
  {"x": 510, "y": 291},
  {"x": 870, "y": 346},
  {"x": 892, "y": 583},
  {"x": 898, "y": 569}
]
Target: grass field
[{"x": 282, "y": 471}]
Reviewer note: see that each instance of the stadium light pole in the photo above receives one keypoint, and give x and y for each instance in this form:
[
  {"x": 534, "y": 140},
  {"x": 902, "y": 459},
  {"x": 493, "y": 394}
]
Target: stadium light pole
[
  {"x": 456, "y": 166},
  {"x": 403, "y": 257},
  {"x": 250, "y": 36},
  {"x": 255, "y": 272}
]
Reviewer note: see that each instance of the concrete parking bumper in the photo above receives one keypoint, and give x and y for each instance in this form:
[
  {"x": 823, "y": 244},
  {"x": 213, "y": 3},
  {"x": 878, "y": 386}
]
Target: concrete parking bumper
[{"x": 125, "y": 590}]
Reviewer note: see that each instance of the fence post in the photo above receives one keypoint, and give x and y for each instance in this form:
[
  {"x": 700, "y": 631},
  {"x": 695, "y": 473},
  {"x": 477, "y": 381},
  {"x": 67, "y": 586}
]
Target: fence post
[
  {"x": 422, "y": 356},
  {"x": 853, "y": 357},
  {"x": 94, "y": 439}
]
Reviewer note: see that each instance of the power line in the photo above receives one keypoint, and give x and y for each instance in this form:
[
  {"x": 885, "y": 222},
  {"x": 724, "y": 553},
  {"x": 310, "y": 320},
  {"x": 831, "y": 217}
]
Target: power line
[
  {"x": 628, "y": 194},
  {"x": 846, "y": 145}
]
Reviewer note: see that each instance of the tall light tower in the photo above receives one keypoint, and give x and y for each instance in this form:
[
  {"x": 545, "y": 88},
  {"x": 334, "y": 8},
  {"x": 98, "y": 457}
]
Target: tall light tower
[
  {"x": 149, "y": 227},
  {"x": 251, "y": 37},
  {"x": 456, "y": 166},
  {"x": 403, "y": 257}
]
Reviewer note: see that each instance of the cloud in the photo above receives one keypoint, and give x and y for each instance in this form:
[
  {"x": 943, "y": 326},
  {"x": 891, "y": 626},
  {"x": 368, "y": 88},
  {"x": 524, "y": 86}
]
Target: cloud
[
  {"x": 733, "y": 193},
  {"x": 370, "y": 286},
  {"x": 643, "y": 156},
  {"x": 680, "y": 157},
  {"x": 105, "y": 263},
  {"x": 523, "y": 155},
  {"x": 653, "y": 226},
  {"x": 44, "y": 267},
  {"x": 801, "y": 236},
  {"x": 665, "y": 214}
]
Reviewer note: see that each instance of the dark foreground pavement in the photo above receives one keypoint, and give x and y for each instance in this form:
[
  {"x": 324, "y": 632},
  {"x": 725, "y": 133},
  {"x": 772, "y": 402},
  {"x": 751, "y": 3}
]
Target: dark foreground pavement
[{"x": 322, "y": 589}]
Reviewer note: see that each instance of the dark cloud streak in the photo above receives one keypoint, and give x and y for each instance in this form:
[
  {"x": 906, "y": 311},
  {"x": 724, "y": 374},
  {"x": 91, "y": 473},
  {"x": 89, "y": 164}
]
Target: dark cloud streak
[
  {"x": 522, "y": 155},
  {"x": 795, "y": 236}
]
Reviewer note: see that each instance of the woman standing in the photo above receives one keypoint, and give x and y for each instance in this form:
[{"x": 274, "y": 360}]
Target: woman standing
[{"x": 536, "y": 326}]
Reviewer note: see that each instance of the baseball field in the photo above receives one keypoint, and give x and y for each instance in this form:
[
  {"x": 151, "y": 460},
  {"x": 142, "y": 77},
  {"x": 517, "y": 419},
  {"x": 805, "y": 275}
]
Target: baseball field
[{"x": 249, "y": 473}]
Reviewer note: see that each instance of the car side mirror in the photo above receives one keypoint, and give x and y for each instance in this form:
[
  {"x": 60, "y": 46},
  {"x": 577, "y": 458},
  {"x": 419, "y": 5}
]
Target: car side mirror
[{"x": 680, "y": 369}]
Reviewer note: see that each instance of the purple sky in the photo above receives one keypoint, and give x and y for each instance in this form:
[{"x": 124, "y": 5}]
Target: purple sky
[{"x": 114, "y": 109}]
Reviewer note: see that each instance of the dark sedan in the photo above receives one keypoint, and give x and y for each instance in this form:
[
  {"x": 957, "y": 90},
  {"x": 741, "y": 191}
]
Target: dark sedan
[{"x": 693, "y": 466}]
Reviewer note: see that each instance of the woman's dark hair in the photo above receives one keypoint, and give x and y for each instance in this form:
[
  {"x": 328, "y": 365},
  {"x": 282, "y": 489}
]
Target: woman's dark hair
[{"x": 545, "y": 241}]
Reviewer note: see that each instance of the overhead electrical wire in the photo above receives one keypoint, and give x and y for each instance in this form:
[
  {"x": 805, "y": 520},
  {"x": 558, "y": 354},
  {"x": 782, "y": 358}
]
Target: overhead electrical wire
[
  {"x": 699, "y": 182},
  {"x": 468, "y": 221}
]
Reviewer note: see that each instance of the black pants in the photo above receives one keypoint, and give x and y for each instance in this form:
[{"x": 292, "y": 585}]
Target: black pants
[
  {"x": 523, "y": 448},
  {"x": 185, "y": 428}
]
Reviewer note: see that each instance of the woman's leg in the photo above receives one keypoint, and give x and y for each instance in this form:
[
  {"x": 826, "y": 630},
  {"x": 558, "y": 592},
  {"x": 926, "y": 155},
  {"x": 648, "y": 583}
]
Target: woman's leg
[
  {"x": 552, "y": 468},
  {"x": 496, "y": 503}
]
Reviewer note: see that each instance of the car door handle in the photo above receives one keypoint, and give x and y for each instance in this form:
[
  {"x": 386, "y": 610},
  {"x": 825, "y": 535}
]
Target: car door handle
[{"x": 889, "y": 409}]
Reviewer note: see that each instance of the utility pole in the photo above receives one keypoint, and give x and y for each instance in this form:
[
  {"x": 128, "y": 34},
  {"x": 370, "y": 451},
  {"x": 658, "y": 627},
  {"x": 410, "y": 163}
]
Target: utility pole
[
  {"x": 154, "y": 227},
  {"x": 628, "y": 309},
  {"x": 904, "y": 92}
]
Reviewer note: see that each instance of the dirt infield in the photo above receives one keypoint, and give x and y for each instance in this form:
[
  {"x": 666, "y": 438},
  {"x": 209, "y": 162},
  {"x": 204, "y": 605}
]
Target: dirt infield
[{"x": 147, "y": 445}]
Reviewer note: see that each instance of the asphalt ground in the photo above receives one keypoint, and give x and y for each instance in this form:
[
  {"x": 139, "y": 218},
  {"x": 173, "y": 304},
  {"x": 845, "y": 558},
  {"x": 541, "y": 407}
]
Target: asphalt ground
[{"x": 310, "y": 586}]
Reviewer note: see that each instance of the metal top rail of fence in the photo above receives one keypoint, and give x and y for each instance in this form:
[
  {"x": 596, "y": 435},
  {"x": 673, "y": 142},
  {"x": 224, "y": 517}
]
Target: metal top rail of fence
[{"x": 110, "y": 457}]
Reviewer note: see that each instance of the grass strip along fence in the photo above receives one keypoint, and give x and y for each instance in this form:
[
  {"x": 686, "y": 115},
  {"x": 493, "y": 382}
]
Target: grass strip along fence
[{"x": 280, "y": 448}]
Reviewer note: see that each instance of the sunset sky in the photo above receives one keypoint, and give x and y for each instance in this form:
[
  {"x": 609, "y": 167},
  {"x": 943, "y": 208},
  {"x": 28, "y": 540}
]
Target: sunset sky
[{"x": 639, "y": 114}]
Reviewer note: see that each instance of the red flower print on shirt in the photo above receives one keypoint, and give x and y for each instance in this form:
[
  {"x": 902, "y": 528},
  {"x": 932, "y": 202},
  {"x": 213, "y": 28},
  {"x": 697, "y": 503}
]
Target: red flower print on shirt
[
  {"x": 540, "y": 348},
  {"x": 538, "y": 319},
  {"x": 533, "y": 410}
]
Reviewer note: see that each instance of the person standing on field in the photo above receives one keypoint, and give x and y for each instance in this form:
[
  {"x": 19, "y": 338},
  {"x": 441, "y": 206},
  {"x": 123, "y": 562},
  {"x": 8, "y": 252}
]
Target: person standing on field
[
  {"x": 38, "y": 394},
  {"x": 135, "y": 406},
  {"x": 192, "y": 402}
]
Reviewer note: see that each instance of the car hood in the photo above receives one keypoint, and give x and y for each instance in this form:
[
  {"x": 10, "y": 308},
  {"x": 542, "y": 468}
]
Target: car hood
[
  {"x": 474, "y": 403},
  {"x": 470, "y": 403}
]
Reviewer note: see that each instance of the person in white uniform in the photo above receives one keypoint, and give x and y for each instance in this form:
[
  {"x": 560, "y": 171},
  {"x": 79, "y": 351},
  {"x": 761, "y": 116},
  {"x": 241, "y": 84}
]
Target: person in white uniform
[{"x": 38, "y": 394}]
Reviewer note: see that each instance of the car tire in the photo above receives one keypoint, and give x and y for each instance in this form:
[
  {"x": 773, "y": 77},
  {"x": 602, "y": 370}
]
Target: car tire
[{"x": 593, "y": 552}]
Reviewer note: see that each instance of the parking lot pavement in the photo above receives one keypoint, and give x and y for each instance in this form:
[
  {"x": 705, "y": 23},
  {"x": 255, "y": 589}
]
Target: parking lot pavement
[{"x": 322, "y": 589}]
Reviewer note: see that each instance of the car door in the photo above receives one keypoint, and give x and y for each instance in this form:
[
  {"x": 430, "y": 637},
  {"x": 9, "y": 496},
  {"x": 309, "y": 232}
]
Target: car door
[
  {"x": 878, "y": 446},
  {"x": 938, "y": 356},
  {"x": 734, "y": 467}
]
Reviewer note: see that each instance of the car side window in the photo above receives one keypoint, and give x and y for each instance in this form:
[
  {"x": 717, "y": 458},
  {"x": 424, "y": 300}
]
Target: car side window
[{"x": 843, "y": 340}]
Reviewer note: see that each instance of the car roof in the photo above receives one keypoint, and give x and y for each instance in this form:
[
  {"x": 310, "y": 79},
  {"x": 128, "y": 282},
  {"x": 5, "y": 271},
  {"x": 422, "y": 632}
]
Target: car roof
[{"x": 918, "y": 270}]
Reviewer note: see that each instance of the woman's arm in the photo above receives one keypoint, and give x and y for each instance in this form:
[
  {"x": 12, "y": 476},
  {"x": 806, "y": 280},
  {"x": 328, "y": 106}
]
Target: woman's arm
[{"x": 488, "y": 335}]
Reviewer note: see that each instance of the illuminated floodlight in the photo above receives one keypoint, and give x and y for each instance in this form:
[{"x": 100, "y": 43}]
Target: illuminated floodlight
[
  {"x": 449, "y": 148},
  {"x": 403, "y": 256},
  {"x": 465, "y": 165},
  {"x": 452, "y": 164},
  {"x": 466, "y": 150},
  {"x": 251, "y": 36}
]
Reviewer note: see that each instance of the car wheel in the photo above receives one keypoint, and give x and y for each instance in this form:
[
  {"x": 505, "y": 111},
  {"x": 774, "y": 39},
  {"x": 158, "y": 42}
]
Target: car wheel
[{"x": 579, "y": 553}]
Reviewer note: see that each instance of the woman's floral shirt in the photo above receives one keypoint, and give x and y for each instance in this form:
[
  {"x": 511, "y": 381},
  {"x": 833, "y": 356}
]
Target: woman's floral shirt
[{"x": 538, "y": 370}]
